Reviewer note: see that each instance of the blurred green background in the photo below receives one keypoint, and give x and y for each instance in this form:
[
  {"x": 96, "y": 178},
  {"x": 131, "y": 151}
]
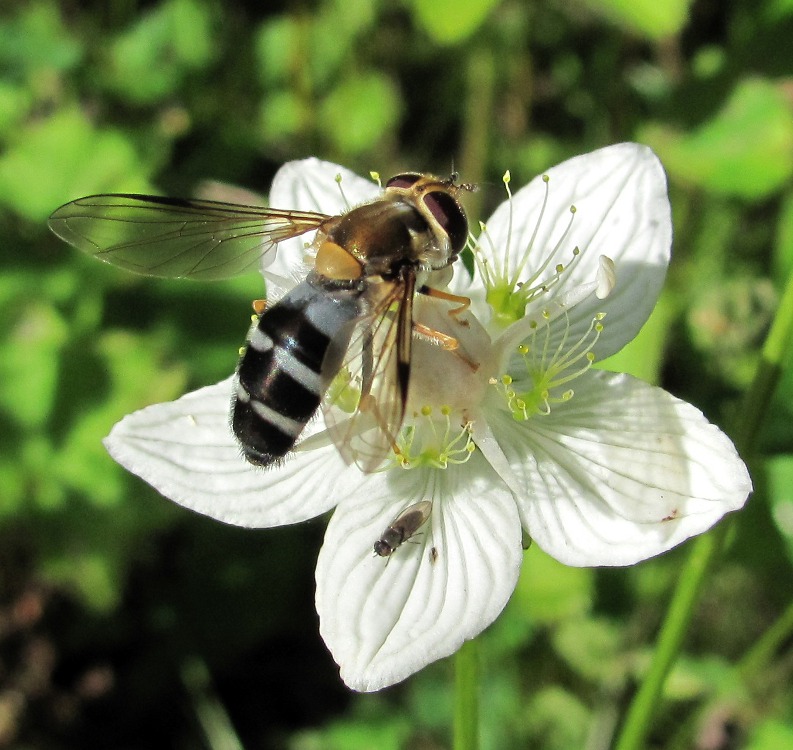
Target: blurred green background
[{"x": 127, "y": 622}]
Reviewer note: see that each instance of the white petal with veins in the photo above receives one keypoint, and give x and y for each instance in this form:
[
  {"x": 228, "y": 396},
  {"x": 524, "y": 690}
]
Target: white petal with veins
[
  {"x": 622, "y": 212},
  {"x": 385, "y": 618},
  {"x": 621, "y": 472},
  {"x": 185, "y": 449}
]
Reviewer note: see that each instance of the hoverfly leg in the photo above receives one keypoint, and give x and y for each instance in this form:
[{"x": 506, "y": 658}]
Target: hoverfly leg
[
  {"x": 368, "y": 404},
  {"x": 463, "y": 302},
  {"x": 449, "y": 343}
]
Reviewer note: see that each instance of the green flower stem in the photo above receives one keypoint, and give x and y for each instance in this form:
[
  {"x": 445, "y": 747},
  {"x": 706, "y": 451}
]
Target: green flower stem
[
  {"x": 757, "y": 659},
  {"x": 466, "y": 697},
  {"x": 707, "y": 547},
  {"x": 219, "y": 733}
]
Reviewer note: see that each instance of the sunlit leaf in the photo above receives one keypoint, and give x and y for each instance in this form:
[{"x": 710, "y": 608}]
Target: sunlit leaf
[
  {"x": 589, "y": 646},
  {"x": 35, "y": 40},
  {"x": 451, "y": 21},
  {"x": 151, "y": 59},
  {"x": 15, "y": 103},
  {"x": 137, "y": 376},
  {"x": 29, "y": 362},
  {"x": 277, "y": 49},
  {"x": 647, "y": 17},
  {"x": 643, "y": 356},
  {"x": 359, "y": 112},
  {"x": 63, "y": 157},
  {"x": 772, "y": 734},
  {"x": 745, "y": 150},
  {"x": 557, "y": 719},
  {"x": 548, "y": 591}
]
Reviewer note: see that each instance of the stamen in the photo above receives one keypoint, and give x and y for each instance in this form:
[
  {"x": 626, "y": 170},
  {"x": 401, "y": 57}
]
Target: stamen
[
  {"x": 559, "y": 268},
  {"x": 506, "y": 180},
  {"x": 538, "y": 389},
  {"x": 547, "y": 180},
  {"x": 434, "y": 442},
  {"x": 507, "y": 293},
  {"x": 338, "y": 179},
  {"x": 482, "y": 260}
]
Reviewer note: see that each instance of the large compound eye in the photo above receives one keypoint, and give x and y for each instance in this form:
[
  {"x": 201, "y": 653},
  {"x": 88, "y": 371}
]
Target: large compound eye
[
  {"x": 450, "y": 215},
  {"x": 409, "y": 179}
]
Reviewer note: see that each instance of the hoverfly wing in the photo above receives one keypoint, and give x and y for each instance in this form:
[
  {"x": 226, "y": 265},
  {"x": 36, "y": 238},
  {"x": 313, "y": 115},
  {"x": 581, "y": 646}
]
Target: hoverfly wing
[
  {"x": 365, "y": 404},
  {"x": 177, "y": 238}
]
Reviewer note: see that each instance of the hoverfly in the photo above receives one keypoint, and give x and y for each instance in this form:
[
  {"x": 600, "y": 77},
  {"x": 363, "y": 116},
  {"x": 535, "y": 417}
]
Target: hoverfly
[
  {"x": 340, "y": 339},
  {"x": 404, "y": 526}
]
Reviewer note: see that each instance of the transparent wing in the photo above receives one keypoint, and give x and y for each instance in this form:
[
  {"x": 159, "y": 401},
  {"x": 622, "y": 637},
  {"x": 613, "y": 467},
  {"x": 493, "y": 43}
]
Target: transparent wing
[
  {"x": 177, "y": 238},
  {"x": 365, "y": 404}
]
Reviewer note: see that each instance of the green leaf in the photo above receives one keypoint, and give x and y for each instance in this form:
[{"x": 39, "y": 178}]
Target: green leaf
[
  {"x": 643, "y": 356},
  {"x": 92, "y": 574},
  {"x": 359, "y": 113},
  {"x": 771, "y": 735},
  {"x": 137, "y": 378},
  {"x": 28, "y": 366},
  {"x": 451, "y": 21},
  {"x": 150, "y": 60},
  {"x": 646, "y": 17},
  {"x": 36, "y": 40},
  {"x": 590, "y": 647},
  {"x": 282, "y": 115},
  {"x": 746, "y": 150},
  {"x": 557, "y": 719},
  {"x": 62, "y": 158},
  {"x": 277, "y": 43},
  {"x": 15, "y": 103},
  {"x": 548, "y": 591}
]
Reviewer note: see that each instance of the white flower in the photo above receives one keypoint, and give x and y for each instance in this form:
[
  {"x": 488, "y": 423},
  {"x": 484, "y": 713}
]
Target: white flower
[{"x": 512, "y": 431}]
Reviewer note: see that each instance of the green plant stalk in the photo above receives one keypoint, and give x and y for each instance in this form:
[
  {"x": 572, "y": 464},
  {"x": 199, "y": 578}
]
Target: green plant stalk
[
  {"x": 466, "y": 697},
  {"x": 706, "y": 548},
  {"x": 757, "y": 659}
]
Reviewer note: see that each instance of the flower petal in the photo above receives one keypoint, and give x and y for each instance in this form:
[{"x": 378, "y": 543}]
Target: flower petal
[
  {"x": 385, "y": 618},
  {"x": 185, "y": 449},
  {"x": 621, "y": 472},
  {"x": 622, "y": 212},
  {"x": 312, "y": 185}
]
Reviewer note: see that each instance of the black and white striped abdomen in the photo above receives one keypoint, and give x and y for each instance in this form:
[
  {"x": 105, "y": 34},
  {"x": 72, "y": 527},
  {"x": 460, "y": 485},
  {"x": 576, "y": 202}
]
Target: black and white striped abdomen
[{"x": 280, "y": 377}]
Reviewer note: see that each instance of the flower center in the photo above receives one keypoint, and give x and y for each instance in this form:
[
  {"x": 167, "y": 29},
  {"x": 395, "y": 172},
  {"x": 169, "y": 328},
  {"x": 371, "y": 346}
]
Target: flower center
[
  {"x": 434, "y": 441},
  {"x": 506, "y": 293},
  {"x": 543, "y": 370}
]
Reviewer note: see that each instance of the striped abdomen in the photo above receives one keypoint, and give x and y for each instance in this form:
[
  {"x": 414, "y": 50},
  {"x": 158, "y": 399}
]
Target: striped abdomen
[{"x": 283, "y": 373}]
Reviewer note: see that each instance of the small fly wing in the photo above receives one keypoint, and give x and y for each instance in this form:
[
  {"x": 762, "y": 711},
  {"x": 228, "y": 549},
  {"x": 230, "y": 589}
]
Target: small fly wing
[
  {"x": 412, "y": 518},
  {"x": 364, "y": 405},
  {"x": 177, "y": 238},
  {"x": 403, "y": 528}
]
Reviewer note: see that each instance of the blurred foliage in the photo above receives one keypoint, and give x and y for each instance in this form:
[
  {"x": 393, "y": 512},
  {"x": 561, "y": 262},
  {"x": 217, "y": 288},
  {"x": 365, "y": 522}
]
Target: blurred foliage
[{"x": 126, "y": 622}]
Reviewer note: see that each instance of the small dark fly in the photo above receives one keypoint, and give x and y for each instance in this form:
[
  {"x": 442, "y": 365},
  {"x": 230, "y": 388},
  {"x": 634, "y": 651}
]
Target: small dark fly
[{"x": 404, "y": 526}]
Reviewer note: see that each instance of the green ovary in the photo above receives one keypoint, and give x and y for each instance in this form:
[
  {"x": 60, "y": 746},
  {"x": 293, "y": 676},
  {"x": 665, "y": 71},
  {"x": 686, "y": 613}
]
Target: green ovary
[{"x": 509, "y": 305}]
